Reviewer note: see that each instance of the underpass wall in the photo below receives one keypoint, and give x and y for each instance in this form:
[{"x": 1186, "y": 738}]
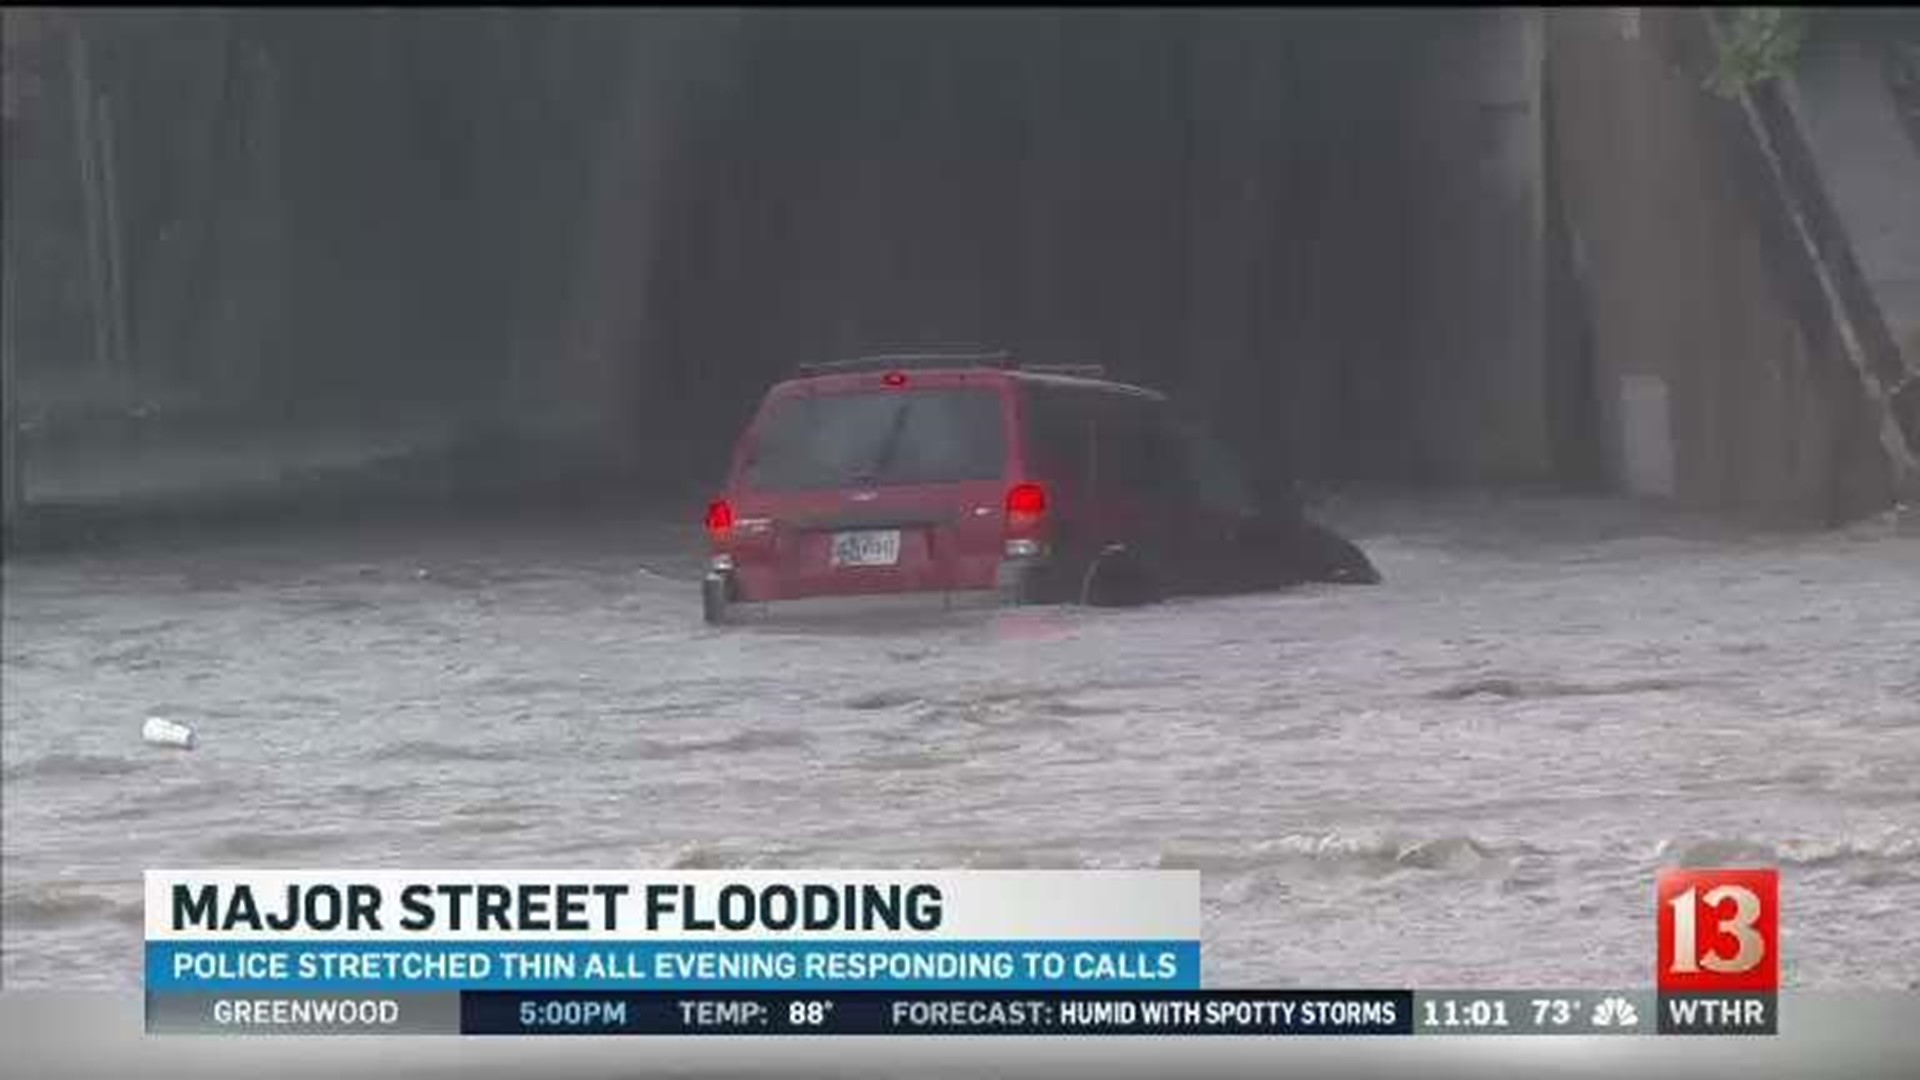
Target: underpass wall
[
  {"x": 1211, "y": 202},
  {"x": 1853, "y": 166},
  {"x": 397, "y": 250},
  {"x": 1717, "y": 372},
  {"x": 453, "y": 238},
  {"x": 1475, "y": 341},
  {"x": 1440, "y": 247}
]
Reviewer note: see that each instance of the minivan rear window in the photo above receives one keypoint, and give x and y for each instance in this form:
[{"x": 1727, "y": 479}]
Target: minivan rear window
[{"x": 881, "y": 438}]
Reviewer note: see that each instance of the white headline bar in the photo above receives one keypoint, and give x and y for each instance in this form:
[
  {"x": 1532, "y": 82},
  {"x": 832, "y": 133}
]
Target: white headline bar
[{"x": 665, "y": 905}]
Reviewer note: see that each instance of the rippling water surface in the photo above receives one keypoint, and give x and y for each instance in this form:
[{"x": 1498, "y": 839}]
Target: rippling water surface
[{"x": 1466, "y": 776}]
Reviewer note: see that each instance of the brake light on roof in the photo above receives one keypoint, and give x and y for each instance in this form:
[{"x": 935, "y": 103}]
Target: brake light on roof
[
  {"x": 894, "y": 379},
  {"x": 719, "y": 519}
]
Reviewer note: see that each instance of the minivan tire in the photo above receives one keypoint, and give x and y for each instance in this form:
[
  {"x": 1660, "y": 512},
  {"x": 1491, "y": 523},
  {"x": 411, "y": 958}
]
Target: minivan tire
[{"x": 1115, "y": 578}]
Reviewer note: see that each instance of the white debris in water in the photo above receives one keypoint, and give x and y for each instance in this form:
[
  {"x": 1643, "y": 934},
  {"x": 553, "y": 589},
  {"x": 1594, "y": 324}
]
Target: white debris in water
[{"x": 162, "y": 732}]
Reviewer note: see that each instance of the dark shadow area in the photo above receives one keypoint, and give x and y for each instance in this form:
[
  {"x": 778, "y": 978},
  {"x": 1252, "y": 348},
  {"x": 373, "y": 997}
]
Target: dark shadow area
[
  {"x": 557, "y": 256},
  {"x": 1211, "y": 203}
]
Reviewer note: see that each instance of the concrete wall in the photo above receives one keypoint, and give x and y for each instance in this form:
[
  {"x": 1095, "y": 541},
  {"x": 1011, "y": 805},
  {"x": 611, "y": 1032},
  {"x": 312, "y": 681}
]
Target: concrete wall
[
  {"x": 1447, "y": 246},
  {"x": 1861, "y": 170},
  {"x": 1719, "y": 380},
  {"x": 1476, "y": 330},
  {"x": 1211, "y": 202},
  {"x": 1870, "y": 168}
]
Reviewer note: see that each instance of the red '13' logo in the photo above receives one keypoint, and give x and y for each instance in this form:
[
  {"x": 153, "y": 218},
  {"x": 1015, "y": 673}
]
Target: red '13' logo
[{"x": 1719, "y": 930}]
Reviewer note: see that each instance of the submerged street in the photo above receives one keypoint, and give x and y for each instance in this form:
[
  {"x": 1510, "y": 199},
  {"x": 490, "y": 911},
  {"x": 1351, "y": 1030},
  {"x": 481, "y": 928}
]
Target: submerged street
[{"x": 1467, "y": 776}]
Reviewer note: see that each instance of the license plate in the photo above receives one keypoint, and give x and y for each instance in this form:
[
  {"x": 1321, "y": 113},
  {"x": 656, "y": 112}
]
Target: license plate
[{"x": 869, "y": 548}]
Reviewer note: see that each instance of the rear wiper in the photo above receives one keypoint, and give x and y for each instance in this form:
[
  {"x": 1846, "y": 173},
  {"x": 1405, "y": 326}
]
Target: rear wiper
[{"x": 888, "y": 448}]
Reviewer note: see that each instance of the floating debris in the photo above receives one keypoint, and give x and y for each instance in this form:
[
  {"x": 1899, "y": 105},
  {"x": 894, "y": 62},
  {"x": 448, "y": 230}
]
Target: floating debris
[{"x": 161, "y": 732}]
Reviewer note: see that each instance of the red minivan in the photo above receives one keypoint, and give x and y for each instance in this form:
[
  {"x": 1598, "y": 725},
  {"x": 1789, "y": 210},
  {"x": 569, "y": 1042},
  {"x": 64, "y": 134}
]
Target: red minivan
[{"x": 953, "y": 472}]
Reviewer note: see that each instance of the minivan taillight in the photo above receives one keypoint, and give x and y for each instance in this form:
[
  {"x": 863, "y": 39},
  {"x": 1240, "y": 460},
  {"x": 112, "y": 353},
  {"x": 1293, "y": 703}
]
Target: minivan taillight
[
  {"x": 719, "y": 520},
  {"x": 1026, "y": 507}
]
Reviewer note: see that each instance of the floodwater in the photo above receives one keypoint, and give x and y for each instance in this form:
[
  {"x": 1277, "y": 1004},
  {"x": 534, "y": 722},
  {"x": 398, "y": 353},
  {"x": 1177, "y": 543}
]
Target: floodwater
[{"x": 1467, "y": 776}]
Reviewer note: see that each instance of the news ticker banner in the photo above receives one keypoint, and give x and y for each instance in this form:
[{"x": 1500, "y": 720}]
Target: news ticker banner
[
  {"x": 946, "y": 1012},
  {"x": 839, "y": 953}
]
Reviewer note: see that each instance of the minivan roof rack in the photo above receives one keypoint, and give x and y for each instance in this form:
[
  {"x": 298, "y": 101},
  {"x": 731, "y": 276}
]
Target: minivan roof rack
[
  {"x": 1092, "y": 371},
  {"x": 941, "y": 357},
  {"x": 922, "y": 357}
]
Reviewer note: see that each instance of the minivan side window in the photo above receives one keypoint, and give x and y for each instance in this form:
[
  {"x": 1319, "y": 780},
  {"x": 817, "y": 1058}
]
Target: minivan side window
[
  {"x": 1218, "y": 482},
  {"x": 1132, "y": 458},
  {"x": 1060, "y": 437}
]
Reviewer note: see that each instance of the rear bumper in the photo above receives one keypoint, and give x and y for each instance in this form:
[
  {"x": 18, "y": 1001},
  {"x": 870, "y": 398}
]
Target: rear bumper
[{"x": 1008, "y": 578}]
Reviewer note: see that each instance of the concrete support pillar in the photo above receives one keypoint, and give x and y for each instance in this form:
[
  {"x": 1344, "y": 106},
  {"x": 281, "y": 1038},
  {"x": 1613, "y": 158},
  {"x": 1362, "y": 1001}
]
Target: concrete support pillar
[
  {"x": 1477, "y": 318},
  {"x": 589, "y": 394}
]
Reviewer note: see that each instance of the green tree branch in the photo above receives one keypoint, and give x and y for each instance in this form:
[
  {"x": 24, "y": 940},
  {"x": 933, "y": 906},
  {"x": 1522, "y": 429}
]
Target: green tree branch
[{"x": 1761, "y": 43}]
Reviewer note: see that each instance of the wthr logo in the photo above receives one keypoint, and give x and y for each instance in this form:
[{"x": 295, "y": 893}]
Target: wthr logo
[{"x": 1719, "y": 931}]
